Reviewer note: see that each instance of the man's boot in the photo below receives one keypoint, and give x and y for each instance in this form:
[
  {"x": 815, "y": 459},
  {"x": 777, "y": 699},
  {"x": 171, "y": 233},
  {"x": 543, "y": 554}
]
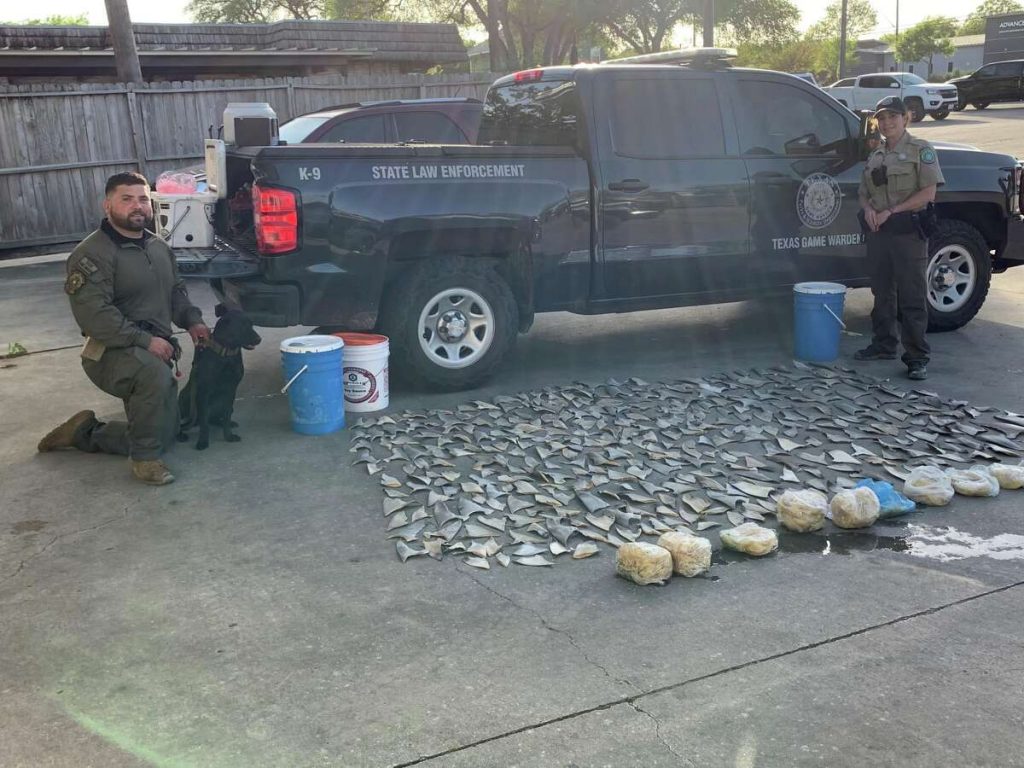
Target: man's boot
[
  {"x": 64, "y": 435},
  {"x": 153, "y": 472}
]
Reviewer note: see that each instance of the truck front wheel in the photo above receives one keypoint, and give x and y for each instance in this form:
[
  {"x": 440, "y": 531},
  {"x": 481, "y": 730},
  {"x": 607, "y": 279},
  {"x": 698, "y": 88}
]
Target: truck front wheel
[
  {"x": 940, "y": 114},
  {"x": 450, "y": 324},
  {"x": 959, "y": 273}
]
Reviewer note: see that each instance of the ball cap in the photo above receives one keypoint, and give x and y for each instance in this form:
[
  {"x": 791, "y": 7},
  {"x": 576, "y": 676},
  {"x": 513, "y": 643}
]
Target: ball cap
[{"x": 891, "y": 104}]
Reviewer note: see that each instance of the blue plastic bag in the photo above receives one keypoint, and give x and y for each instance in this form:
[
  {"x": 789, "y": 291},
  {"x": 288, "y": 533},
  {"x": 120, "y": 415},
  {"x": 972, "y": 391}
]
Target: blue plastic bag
[{"x": 893, "y": 503}]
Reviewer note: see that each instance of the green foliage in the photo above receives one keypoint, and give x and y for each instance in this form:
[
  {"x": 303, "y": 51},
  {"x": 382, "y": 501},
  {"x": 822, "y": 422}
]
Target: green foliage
[
  {"x": 923, "y": 40},
  {"x": 761, "y": 22},
  {"x": 794, "y": 56},
  {"x": 57, "y": 20},
  {"x": 233, "y": 11},
  {"x": 975, "y": 22},
  {"x": 860, "y": 18},
  {"x": 362, "y": 10}
]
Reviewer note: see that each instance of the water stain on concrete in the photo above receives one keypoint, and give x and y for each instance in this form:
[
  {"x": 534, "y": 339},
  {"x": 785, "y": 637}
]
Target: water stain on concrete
[{"x": 28, "y": 526}]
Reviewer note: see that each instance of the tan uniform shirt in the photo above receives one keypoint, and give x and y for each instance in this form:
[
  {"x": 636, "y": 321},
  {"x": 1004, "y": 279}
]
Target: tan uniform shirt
[
  {"x": 911, "y": 165},
  {"x": 114, "y": 283}
]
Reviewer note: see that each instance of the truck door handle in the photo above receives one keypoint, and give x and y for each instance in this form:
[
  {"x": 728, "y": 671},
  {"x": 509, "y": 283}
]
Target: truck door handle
[{"x": 628, "y": 185}]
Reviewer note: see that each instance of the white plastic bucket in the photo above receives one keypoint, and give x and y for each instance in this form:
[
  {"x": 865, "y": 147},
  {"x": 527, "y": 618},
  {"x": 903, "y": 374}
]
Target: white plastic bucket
[{"x": 365, "y": 372}]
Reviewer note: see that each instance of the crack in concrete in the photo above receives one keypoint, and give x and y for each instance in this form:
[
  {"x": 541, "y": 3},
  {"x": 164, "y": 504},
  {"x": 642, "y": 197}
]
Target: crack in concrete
[
  {"x": 58, "y": 537},
  {"x": 657, "y": 732},
  {"x": 548, "y": 626},
  {"x": 631, "y": 700}
]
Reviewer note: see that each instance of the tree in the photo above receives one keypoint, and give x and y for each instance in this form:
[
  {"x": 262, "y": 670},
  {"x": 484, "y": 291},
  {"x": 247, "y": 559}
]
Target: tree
[
  {"x": 644, "y": 25},
  {"x": 56, "y": 20},
  {"x": 794, "y": 56},
  {"x": 760, "y": 22},
  {"x": 974, "y": 24},
  {"x": 255, "y": 11},
  {"x": 923, "y": 40},
  {"x": 860, "y": 18}
]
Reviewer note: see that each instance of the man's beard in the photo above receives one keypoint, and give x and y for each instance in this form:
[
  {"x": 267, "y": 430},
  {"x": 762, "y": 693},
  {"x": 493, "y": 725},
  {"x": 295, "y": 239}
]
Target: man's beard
[{"x": 133, "y": 222}]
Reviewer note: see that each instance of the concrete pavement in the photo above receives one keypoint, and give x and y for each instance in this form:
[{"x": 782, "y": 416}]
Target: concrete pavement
[{"x": 253, "y": 614}]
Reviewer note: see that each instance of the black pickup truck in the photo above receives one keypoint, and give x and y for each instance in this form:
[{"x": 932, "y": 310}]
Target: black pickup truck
[{"x": 594, "y": 189}]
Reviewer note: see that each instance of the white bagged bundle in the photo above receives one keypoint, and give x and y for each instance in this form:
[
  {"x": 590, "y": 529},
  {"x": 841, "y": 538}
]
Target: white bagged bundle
[
  {"x": 1010, "y": 476},
  {"x": 855, "y": 508},
  {"x": 928, "y": 485},
  {"x": 691, "y": 555},
  {"x": 643, "y": 563},
  {"x": 976, "y": 481},
  {"x": 802, "y": 511},
  {"x": 750, "y": 539}
]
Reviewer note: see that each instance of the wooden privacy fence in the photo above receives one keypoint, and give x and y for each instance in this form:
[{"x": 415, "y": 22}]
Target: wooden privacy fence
[{"x": 58, "y": 144}]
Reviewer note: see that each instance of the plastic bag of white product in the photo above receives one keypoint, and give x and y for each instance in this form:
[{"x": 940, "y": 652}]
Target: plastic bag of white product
[
  {"x": 856, "y": 508},
  {"x": 1010, "y": 476},
  {"x": 691, "y": 555},
  {"x": 976, "y": 481},
  {"x": 750, "y": 539},
  {"x": 176, "y": 183},
  {"x": 644, "y": 563},
  {"x": 928, "y": 485},
  {"x": 802, "y": 511}
]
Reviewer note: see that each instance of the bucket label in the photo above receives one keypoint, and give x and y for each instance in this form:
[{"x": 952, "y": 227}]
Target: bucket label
[{"x": 360, "y": 385}]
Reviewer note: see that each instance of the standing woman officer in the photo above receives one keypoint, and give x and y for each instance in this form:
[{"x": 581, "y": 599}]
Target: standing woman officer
[{"x": 898, "y": 185}]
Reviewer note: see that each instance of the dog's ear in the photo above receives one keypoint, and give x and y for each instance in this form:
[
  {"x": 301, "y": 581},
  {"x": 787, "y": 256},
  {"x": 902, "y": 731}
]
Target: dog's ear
[{"x": 219, "y": 310}]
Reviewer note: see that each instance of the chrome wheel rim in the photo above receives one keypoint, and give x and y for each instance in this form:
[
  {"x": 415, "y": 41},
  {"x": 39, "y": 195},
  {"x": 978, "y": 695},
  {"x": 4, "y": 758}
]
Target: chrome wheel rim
[
  {"x": 456, "y": 328},
  {"x": 952, "y": 276}
]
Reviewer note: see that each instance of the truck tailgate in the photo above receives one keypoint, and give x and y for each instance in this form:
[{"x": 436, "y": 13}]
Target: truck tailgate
[{"x": 220, "y": 261}]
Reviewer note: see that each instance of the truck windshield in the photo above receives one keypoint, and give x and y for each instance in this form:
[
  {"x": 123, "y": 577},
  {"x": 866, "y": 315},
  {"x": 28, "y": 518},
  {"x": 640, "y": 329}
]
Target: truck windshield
[
  {"x": 531, "y": 113},
  {"x": 297, "y": 131}
]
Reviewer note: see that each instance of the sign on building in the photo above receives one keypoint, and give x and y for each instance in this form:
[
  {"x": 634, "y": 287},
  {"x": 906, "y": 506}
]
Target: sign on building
[{"x": 1004, "y": 37}]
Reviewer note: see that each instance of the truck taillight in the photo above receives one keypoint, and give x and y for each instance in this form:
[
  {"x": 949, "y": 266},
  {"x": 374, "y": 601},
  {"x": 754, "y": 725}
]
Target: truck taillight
[
  {"x": 276, "y": 217},
  {"x": 1018, "y": 176}
]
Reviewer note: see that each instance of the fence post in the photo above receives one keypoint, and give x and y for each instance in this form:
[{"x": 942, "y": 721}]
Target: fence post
[
  {"x": 291, "y": 98},
  {"x": 138, "y": 140}
]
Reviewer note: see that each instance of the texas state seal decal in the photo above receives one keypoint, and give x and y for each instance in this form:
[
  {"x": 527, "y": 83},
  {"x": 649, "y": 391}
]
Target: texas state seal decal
[{"x": 818, "y": 201}]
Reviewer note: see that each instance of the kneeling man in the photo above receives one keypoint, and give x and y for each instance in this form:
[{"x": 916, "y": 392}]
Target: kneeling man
[{"x": 125, "y": 292}]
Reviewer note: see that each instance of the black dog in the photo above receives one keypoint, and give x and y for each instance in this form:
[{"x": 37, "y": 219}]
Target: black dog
[{"x": 209, "y": 396}]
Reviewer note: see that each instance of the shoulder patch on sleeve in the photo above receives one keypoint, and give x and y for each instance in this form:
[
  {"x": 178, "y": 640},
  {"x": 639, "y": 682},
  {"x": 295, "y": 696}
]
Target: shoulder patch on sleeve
[
  {"x": 87, "y": 265},
  {"x": 928, "y": 155},
  {"x": 74, "y": 283}
]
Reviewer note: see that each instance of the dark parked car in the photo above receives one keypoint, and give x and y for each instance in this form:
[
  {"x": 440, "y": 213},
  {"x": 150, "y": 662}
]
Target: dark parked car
[
  {"x": 432, "y": 121},
  {"x": 998, "y": 81}
]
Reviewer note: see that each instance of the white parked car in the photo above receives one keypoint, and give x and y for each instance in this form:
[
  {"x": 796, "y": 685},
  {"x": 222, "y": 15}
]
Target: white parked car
[{"x": 922, "y": 98}]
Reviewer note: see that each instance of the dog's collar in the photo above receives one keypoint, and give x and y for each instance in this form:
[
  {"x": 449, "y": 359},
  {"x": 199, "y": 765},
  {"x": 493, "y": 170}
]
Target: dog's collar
[{"x": 219, "y": 349}]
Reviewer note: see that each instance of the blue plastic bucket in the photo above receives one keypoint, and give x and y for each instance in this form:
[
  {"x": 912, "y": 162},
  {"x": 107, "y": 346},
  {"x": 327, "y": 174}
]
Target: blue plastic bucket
[
  {"x": 312, "y": 373},
  {"x": 817, "y": 321}
]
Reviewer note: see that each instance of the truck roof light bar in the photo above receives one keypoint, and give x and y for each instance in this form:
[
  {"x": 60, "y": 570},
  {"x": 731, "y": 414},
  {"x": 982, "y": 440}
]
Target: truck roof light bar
[{"x": 694, "y": 57}]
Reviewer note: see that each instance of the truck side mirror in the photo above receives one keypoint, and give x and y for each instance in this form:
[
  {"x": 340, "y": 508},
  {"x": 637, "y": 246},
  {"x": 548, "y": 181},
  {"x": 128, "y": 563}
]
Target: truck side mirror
[{"x": 868, "y": 138}]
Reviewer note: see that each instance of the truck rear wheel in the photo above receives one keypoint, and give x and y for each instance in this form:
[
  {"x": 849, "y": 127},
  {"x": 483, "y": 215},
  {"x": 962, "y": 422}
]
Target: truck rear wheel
[
  {"x": 450, "y": 323},
  {"x": 959, "y": 274},
  {"x": 979, "y": 104}
]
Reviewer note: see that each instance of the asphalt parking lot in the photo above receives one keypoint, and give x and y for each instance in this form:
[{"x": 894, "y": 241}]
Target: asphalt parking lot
[{"x": 254, "y": 614}]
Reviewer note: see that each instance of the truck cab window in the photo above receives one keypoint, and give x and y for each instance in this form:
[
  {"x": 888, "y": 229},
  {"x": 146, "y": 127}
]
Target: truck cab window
[
  {"x": 431, "y": 127},
  {"x": 368, "y": 129},
  {"x": 683, "y": 118},
  {"x": 537, "y": 113},
  {"x": 780, "y": 119}
]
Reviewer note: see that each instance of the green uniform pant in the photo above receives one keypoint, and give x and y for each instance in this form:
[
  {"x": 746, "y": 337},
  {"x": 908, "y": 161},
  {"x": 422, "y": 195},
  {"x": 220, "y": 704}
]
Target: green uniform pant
[
  {"x": 150, "y": 395},
  {"x": 899, "y": 282}
]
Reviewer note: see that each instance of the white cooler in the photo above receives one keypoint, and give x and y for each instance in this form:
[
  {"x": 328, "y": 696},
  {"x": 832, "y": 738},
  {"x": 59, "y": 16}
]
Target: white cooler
[{"x": 185, "y": 221}]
